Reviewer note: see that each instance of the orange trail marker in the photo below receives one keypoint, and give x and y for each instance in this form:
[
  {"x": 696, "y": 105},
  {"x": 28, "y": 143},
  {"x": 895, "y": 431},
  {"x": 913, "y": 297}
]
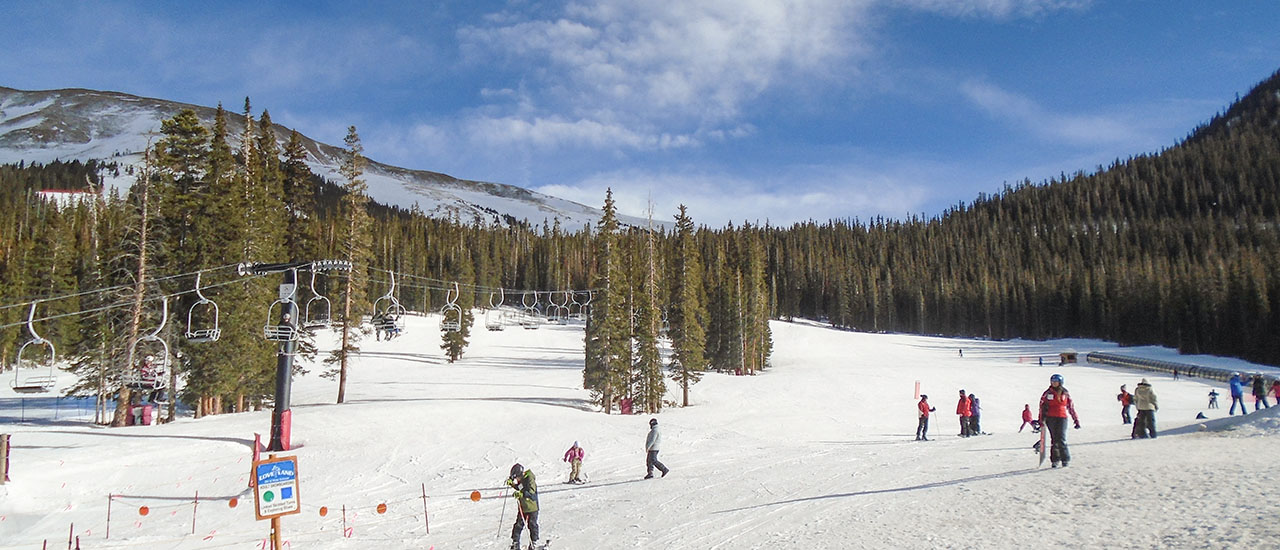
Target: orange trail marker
[
  {"x": 382, "y": 508},
  {"x": 144, "y": 511},
  {"x": 324, "y": 511},
  {"x": 233, "y": 502},
  {"x": 475, "y": 496}
]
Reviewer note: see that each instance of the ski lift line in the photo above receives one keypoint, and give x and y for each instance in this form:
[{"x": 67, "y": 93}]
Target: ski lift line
[
  {"x": 28, "y": 301},
  {"x": 477, "y": 288},
  {"x": 445, "y": 284},
  {"x": 122, "y": 304}
]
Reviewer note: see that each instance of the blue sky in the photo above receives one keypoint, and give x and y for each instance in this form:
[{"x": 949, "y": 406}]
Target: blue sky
[{"x": 740, "y": 109}]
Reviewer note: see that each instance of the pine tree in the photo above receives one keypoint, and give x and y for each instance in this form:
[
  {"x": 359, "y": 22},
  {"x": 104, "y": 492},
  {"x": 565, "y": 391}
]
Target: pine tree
[
  {"x": 356, "y": 248},
  {"x": 688, "y": 310},
  {"x": 648, "y": 361},
  {"x": 607, "y": 337},
  {"x": 454, "y": 342}
]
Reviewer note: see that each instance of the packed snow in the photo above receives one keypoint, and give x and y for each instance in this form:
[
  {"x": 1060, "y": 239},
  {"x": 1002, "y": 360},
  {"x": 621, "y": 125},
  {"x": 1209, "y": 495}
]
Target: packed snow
[{"x": 818, "y": 451}]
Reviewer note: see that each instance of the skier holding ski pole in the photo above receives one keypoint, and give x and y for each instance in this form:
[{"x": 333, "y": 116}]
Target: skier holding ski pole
[{"x": 525, "y": 490}]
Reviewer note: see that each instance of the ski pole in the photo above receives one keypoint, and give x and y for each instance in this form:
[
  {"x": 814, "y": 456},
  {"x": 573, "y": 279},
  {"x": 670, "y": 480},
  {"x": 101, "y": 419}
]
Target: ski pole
[{"x": 504, "y": 513}]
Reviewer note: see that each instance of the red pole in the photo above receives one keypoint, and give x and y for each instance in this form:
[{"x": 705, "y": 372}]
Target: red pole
[
  {"x": 425, "y": 521},
  {"x": 71, "y": 535}
]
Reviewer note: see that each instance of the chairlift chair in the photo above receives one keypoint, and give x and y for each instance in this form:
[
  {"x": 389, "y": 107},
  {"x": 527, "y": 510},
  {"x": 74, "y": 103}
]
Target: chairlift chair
[
  {"x": 282, "y": 326},
  {"x": 575, "y": 308},
  {"x": 387, "y": 312},
  {"x": 42, "y": 381},
  {"x": 493, "y": 317},
  {"x": 317, "y": 312},
  {"x": 530, "y": 318},
  {"x": 149, "y": 359},
  {"x": 451, "y": 315},
  {"x": 206, "y": 332}
]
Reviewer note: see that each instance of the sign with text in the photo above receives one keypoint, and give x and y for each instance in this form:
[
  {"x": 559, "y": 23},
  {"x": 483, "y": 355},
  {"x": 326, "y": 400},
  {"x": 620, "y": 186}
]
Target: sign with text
[{"x": 276, "y": 488}]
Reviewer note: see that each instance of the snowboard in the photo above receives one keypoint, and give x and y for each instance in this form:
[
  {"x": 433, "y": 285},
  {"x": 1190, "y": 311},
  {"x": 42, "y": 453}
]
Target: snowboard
[{"x": 1043, "y": 450}]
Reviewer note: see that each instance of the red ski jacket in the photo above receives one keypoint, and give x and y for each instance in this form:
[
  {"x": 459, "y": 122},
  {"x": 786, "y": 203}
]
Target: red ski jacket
[
  {"x": 924, "y": 408},
  {"x": 1026, "y": 415},
  {"x": 1057, "y": 404},
  {"x": 962, "y": 408},
  {"x": 574, "y": 453}
]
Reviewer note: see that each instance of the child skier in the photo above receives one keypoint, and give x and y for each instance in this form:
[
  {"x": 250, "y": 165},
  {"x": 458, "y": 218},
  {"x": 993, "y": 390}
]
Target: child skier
[
  {"x": 1026, "y": 419},
  {"x": 525, "y": 491},
  {"x": 923, "y": 427},
  {"x": 574, "y": 457}
]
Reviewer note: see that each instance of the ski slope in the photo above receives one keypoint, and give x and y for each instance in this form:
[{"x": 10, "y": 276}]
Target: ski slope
[{"x": 816, "y": 452}]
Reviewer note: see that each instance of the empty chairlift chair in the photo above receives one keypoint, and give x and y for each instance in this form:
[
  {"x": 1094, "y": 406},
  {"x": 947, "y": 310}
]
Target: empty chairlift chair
[
  {"x": 493, "y": 317},
  {"x": 451, "y": 315},
  {"x": 530, "y": 320},
  {"x": 202, "y": 318},
  {"x": 318, "y": 309},
  {"x": 40, "y": 376}
]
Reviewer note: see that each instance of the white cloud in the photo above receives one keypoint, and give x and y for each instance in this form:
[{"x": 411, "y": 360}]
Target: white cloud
[{"x": 1073, "y": 129}]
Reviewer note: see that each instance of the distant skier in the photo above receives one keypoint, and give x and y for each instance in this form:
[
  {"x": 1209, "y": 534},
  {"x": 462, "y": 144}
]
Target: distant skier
[
  {"x": 1237, "y": 394},
  {"x": 651, "y": 445},
  {"x": 574, "y": 457},
  {"x": 922, "y": 428},
  {"x": 1145, "y": 398},
  {"x": 1055, "y": 405},
  {"x": 1125, "y": 398},
  {"x": 975, "y": 414},
  {"x": 1260, "y": 393},
  {"x": 525, "y": 490},
  {"x": 1026, "y": 419},
  {"x": 1213, "y": 399},
  {"x": 962, "y": 410}
]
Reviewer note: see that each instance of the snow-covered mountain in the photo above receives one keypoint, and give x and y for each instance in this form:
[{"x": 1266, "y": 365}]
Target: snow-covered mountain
[{"x": 69, "y": 124}]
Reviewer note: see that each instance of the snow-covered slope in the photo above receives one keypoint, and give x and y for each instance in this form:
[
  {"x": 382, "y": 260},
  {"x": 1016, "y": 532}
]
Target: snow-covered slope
[
  {"x": 42, "y": 126},
  {"x": 816, "y": 452}
]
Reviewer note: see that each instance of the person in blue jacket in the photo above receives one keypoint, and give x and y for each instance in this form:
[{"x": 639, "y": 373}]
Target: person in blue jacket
[{"x": 1237, "y": 394}]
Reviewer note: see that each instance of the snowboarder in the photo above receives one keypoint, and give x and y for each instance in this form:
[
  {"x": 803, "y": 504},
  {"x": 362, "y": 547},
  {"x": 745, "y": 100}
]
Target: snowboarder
[
  {"x": 1260, "y": 393},
  {"x": 1125, "y": 398},
  {"x": 574, "y": 457},
  {"x": 1213, "y": 399},
  {"x": 922, "y": 428},
  {"x": 1055, "y": 405},
  {"x": 962, "y": 410},
  {"x": 525, "y": 490},
  {"x": 1145, "y": 425},
  {"x": 1237, "y": 394},
  {"x": 651, "y": 445},
  {"x": 1026, "y": 419},
  {"x": 975, "y": 412}
]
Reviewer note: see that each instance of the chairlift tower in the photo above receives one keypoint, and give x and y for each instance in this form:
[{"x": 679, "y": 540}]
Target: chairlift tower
[{"x": 285, "y": 347}]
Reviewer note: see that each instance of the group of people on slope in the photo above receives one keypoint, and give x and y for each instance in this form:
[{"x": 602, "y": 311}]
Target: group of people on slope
[
  {"x": 1259, "y": 393},
  {"x": 524, "y": 484},
  {"x": 970, "y": 412}
]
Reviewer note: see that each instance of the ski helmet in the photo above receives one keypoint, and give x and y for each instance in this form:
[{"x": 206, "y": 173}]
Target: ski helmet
[
  {"x": 517, "y": 470},
  {"x": 653, "y": 422},
  {"x": 1056, "y": 378}
]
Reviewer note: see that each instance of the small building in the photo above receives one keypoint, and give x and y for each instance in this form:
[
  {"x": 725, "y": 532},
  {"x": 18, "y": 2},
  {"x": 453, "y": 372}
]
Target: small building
[{"x": 1067, "y": 357}]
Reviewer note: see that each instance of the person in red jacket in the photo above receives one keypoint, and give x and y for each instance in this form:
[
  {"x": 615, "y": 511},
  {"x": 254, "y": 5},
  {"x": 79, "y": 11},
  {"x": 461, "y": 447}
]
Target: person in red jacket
[
  {"x": 1026, "y": 419},
  {"x": 1125, "y": 398},
  {"x": 962, "y": 409},
  {"x": 1055, "y": 405},
  {"x": 925, "y": 409}
]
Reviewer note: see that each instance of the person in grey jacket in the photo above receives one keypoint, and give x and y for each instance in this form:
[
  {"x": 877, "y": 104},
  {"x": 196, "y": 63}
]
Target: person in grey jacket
[
  {"x": 1144, "y": 397},
  {"x": 651, "y": 447}
]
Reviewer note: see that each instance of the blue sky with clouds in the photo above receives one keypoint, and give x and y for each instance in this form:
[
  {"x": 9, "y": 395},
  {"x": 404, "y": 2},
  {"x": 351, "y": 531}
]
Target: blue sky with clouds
[{"x": 740, "y": 109}]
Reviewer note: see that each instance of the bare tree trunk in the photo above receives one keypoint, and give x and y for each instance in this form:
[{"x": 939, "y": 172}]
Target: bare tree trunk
[
  {"x": 139, "y": 290},
  {"x": 346, "y": 338}
]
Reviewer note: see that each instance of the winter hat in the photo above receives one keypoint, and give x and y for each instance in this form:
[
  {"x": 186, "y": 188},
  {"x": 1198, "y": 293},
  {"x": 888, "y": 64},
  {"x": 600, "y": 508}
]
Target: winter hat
[
  {"x": 1144, "y": 381},
  {"x": 653, "y": 421},
  {"x": 923, "y": 396},
  {"x": 575, "y": 443}
]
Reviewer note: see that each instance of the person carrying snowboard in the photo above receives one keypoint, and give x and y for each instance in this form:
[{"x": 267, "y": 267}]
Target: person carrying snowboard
[
  {"x": 525, "y": 490},
  {"x": 1125, "y": 398},
  {"x": 923, "y": 427},
  {"x": 574, "y": 457},
  {"x": 1055, "y": 405},
  {"x": 651, "y": 444}
]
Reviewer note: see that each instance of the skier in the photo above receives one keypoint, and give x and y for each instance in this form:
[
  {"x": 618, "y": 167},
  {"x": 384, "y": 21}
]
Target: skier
[
  {"x": 1125, "y": 398},
  {"x": 962, "y": 409},
  {"x": 1213, "y": 399},
  {"x": 1145, "y": 425},
  {"x": 1026, "y": 419},
  {"x": 525, "y": 490},
  {"x": 651, "y": 445},
  {"x": 1055, "y": 405},
  {"x": 975, "y": 412},
  {"x": 574, "y": 457},
  {"x": 922, "y": 428},
  {"x": 1237, "y": 394},
  {"x": 1260, "y": 393}
]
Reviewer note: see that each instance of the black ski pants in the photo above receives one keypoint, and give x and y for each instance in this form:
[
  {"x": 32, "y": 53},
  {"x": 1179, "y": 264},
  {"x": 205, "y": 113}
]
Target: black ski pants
[
  {"x": 923, "y": 428},
  {"x": 521, "y": 517},
  {"x": 1058, "y": 439},
  {"x": 651, "y": 462},
  {"x": 1144, "y": 425}
]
